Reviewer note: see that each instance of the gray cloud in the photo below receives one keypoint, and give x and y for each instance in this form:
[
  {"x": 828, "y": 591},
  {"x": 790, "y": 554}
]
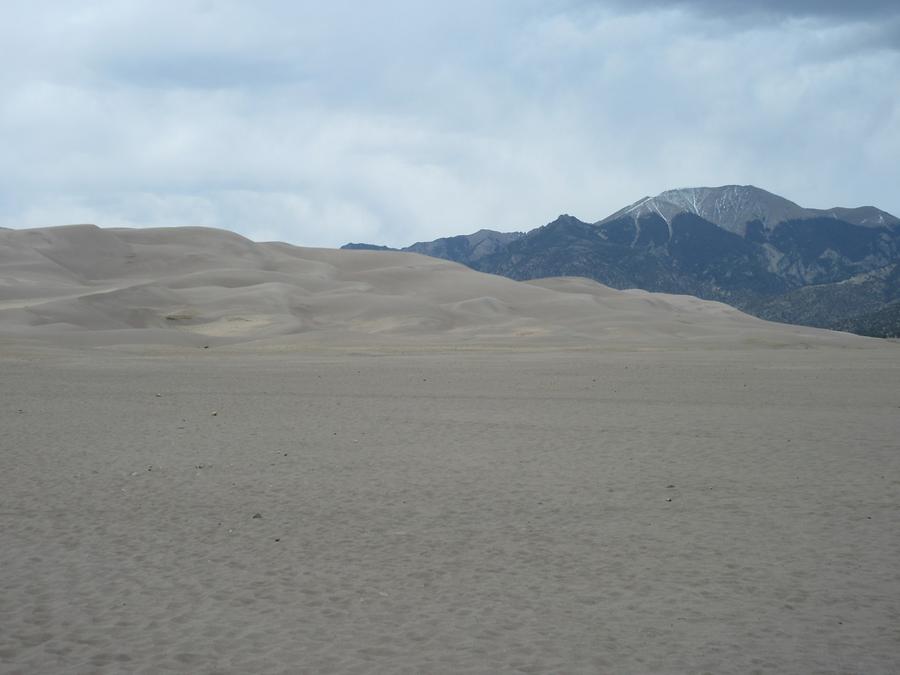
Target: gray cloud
[
  {"x": 877, "y": 21},
  {"x": 399, "y": 121},
  {"x": 866, "y": 9}
]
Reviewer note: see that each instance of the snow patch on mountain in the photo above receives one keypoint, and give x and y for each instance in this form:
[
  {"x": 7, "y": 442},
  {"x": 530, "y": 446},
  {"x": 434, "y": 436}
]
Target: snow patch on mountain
[{"x": 732, "y": 207}]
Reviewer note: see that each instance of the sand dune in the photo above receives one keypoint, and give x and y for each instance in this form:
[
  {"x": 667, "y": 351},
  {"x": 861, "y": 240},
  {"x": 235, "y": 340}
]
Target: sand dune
[{"x": 194, "y": 286}]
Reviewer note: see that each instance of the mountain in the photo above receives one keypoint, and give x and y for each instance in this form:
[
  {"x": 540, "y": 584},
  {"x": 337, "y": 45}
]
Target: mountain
[
  {"x": 464, "y": 248},
  {"x": 467, "y": 248},
  {"x": 732, "y": 207},
  {"x": 737, "y": 244},
  {"x": 867, "y": 303}
]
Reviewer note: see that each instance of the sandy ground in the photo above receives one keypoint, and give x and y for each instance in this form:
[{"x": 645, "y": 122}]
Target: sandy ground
[{"x": 594, "y": 511}]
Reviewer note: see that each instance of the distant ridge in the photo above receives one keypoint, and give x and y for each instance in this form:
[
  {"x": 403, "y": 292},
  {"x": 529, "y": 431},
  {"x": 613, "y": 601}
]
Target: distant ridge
[
  {"x": 464, "y": 248},
  {"x": 366, "y": 247},
  {"x": 738, "y": 244}
]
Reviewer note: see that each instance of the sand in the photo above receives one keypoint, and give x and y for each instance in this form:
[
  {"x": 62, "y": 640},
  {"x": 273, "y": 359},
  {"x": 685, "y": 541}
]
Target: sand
[
  {"x": 195, "y": 287},
  {"x": 471, "y": 478}
]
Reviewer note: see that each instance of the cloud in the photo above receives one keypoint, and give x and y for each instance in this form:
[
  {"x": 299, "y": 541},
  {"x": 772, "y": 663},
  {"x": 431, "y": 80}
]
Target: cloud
[
  {"x": 405, "y": 121},
  {"x": 802, "y": 8}
]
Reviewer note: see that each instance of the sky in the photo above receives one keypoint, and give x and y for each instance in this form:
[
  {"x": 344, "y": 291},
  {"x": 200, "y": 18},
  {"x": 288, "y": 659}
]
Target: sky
[{"x": 321, "y": 123}]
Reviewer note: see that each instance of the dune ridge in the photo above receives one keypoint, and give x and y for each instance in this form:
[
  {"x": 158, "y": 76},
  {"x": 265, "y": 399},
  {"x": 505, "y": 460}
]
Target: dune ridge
[{"x": 191, "y": 286}]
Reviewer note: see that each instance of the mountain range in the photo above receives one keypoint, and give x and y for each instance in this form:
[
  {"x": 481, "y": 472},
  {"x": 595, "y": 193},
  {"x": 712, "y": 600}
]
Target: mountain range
[{"x": 835, "y": 268}]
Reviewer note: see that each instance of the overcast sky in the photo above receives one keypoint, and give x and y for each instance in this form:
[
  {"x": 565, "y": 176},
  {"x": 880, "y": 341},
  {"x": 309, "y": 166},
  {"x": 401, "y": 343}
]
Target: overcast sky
[{"x": 395, "y": 121}]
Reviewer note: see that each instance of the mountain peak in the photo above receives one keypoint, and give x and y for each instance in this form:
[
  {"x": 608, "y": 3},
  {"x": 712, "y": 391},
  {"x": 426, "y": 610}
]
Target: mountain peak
[
  {"x": 731, "y": 207},
  {"x": 566, "y": 219}
]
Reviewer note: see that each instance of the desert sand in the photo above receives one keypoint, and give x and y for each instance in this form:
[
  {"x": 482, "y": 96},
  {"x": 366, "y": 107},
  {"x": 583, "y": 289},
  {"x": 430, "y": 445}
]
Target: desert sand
[{"x": 225, "y": 457}]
